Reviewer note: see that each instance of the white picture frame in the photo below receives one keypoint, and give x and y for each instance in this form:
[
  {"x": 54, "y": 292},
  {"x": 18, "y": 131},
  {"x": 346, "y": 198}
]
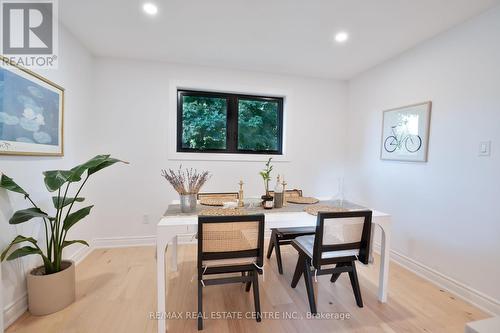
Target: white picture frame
[{"x": 405, "y": 133}]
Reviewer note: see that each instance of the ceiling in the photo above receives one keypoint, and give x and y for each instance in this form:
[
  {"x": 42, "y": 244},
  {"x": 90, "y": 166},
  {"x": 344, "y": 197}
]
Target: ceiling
[{"x": 277, "y": 36}]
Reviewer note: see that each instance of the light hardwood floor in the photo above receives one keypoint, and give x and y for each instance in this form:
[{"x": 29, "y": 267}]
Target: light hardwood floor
[{"x": 117, "y": 292}]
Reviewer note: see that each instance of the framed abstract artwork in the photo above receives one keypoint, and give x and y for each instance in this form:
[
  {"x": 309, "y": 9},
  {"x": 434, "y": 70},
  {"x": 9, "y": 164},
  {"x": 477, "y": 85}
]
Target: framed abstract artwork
[
  {"x": 31, "y": 113},
  {"x": 405, "y": 133}
]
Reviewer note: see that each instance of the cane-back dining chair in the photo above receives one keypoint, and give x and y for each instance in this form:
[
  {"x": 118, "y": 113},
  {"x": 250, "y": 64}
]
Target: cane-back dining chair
[
  {"x": 230, "y": 244},
  {"x": 284, "y": 236},
  {"x": 341, "y": 239},
  {"x": 218, "y": 196}
]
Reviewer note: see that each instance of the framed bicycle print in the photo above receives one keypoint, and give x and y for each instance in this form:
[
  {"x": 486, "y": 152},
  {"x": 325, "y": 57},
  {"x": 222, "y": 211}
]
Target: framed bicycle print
[
  {"x": 31, "y": 113},
  {"x": 405, "y": 133}
]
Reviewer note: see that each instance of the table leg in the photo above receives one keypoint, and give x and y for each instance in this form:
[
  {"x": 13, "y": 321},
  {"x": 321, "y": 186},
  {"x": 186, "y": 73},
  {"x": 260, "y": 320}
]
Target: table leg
[
  {"x": 164, "y": 236},
  {"x": 385, "y": 246},
  {"x": 371, "y": 260},
  {"x": 174, "y": 253},
  {"x": 161, "y": 248}
]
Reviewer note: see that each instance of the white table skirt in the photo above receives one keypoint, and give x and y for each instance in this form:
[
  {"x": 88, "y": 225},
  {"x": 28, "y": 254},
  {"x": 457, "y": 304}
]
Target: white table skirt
[{"x": 171, "y": 227}]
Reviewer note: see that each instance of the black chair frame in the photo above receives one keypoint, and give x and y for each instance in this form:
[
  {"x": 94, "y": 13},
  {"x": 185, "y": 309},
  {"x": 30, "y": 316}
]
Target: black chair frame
[
  {"x": 342, "y": 264},
  {"x": 249, "y": 272},
  {"x": 279, "y": 238},
  {"x": 284, "y": 236}
]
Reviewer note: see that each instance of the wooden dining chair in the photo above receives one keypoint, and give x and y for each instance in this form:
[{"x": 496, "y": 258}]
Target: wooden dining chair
[
  {"x": 221, "y": 196},
  {"x": 284, "y": 236},
  {"x": 289, "y": 193},
  {"x": 230, "y": 244},
  {"x": 341, "y": 239}
]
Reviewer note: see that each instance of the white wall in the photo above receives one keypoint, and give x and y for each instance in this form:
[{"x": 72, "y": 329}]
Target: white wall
[
  {"x": 74, "y": 74},
  {"x": 123, "y": 108},
  {"x": 132, "y": 122},
  {"x": 445, "y": 211}
]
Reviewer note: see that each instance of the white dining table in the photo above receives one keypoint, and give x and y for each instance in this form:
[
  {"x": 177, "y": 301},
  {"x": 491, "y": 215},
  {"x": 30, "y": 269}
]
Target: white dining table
[{"x": 171, "y": 226}]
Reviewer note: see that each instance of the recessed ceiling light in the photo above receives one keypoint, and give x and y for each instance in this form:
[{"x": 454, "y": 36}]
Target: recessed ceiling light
[
  {"x": 150, "y": 8},
  {"x": 341, "y": 37}
]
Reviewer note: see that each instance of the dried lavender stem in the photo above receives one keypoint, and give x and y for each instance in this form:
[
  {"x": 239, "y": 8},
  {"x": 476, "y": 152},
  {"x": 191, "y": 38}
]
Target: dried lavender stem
[{"x": 188, "y": 181}]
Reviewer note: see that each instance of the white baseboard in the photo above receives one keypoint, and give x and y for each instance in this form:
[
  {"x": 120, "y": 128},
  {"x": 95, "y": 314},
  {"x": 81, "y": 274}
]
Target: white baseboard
[
  {"x": 15, "y": 310},
  {"x": 111, "y": 242},
  {"x": 81, "y": 254},
  {"x": 466, "y": 293}
]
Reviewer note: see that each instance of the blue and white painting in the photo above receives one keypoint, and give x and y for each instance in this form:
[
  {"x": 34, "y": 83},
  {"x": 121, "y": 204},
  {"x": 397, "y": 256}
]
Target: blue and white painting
[{"x": 30, "y": 114}]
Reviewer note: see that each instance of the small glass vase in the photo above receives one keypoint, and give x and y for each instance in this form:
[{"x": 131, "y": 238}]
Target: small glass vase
[
  {"x": 340, "y": 192},
  {"x": 188, "y": 203}
]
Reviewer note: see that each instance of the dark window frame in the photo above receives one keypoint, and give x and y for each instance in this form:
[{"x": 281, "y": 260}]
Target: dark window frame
[{"x": 231, "y": 122}]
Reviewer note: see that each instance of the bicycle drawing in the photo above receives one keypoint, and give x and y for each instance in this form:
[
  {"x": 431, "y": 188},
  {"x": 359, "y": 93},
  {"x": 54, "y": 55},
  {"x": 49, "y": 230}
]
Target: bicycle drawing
[
  {"x": 405, "y": 133},
  {"x": 402, "y": 139}
]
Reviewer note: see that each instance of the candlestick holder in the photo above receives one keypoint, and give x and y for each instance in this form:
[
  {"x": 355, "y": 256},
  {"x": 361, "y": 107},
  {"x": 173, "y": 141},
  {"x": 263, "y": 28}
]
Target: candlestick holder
[
  {"x": 241, "y": 203},
  {"x": 284, "y": 183}
]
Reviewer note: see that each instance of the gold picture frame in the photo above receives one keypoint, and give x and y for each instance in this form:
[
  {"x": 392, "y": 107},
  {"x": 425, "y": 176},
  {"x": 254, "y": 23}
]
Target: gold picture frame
[{"x": 38, "y": 118}]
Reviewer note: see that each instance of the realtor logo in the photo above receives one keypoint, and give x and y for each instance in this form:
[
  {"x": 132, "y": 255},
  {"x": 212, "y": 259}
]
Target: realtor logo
[{"x": 29, "y": 32}]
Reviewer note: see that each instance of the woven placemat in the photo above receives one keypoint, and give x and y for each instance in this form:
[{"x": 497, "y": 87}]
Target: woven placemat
[
  {"x": 313, "y": 210},
  {"x": 223, "y": 212},
  {"x": 214, "y": 202},
  {"x": 302, "y": 200}
]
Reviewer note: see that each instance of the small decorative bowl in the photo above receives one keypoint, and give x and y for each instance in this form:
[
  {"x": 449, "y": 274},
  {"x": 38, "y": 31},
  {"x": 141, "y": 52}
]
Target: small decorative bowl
[{"x": 230, "y": 204}]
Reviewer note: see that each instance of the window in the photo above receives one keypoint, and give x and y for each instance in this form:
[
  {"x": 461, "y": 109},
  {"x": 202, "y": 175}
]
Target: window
[{"x": 229, "y": 123}]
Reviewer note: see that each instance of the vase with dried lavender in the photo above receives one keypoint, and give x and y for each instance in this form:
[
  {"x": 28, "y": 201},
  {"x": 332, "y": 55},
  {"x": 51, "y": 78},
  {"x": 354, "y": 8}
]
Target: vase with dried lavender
[{"x": 187, "y": 183}]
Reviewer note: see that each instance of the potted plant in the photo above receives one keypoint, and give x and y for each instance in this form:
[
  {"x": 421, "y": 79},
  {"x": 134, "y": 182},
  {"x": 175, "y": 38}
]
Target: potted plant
[
  {"x": 267, "y": 199},
  {"x": 188, "y": 184},
  {"x": 51, "y": 287}
]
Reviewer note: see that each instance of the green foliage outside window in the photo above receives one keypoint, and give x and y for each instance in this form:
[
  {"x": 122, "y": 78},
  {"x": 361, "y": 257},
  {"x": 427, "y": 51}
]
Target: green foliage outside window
[
  {"x": 229, "y": 123},
  {"x": 204, "y": 122},
  {"x": 258, "y": 125}
]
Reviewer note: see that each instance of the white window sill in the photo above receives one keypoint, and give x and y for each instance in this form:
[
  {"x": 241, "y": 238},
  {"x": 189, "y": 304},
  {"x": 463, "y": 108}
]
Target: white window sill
[{"x": 175, "y": 156}]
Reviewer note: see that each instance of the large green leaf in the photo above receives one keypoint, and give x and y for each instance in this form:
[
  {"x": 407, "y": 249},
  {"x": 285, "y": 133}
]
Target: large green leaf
[
  {"x": 24, "y": 251},
  {"x": 75, "y": 217},
  {"x": 59, "y": 203},
  {"x": 108, "y": 162},
  {"x": 26, "y": 214},
  {"x": 54, "y": 179},
  {"x": 9, "y": 184},
  {"x": 17, "y": 240},
  {"x": 92, "y": 163},
  {"x": 68, "y": 243}
]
